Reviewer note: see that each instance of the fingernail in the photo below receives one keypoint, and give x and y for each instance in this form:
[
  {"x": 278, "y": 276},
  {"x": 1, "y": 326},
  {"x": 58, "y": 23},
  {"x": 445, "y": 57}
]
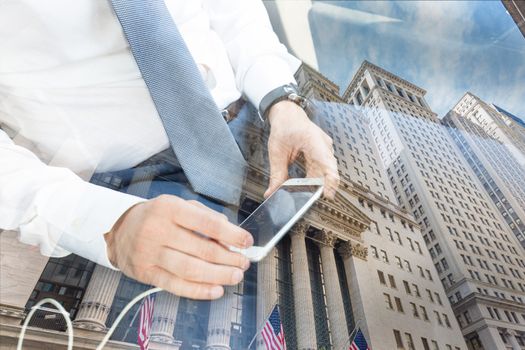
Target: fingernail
[
  {"x": 237, "y": 276},
  {"x": 246, "y": 265},
  {"x": 248, "y": 241},
  {"x": 216, "y": 292}
]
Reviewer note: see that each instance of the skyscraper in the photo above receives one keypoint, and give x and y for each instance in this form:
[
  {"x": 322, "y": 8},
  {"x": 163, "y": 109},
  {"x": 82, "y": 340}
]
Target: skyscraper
[
  {"x": 502, "y": 176},
  {"x": 396, "y": 296},
  {"x": 478, "y": 259},
  {"x": 497, "y": 122}
]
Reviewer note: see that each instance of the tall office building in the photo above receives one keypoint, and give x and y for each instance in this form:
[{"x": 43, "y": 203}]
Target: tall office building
[
  {"x": 395, "y": 294},
  {"x": 478, "y": 259},
  {"x": 497, "y": 122},
  {"x": 496, "y": 168}
]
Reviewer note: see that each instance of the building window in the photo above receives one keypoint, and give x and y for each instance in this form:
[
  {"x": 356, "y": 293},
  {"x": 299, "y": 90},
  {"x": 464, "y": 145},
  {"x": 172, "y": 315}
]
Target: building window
[
  {"x": 425, "y": 343},
  {"x": 424, "y": 313},
  {"x": 381, "y": 276},
  {"x": 398, "y": 262},
  {"x": 388, "y": 301},
  {"x": 399, "y": 306},
  {"x": 399, "y": 340},
  {"x": 65, "y": 280},
  {"x": 410, "y": 341},
  {"x": 392, "y": 281},
  {"x": 384, "y": 256},
  {"x": 374, "y": 252},
  {"x": 414, "y": 310},
  {"x": 407, "y": 287}
]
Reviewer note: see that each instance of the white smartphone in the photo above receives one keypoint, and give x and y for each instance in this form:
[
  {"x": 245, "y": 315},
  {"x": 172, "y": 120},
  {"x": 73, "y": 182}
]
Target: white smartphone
[{"x": 278, "y": 213}]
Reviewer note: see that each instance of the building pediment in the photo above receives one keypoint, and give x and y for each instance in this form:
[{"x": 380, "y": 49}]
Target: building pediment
[{"x": 339, "y": 216}]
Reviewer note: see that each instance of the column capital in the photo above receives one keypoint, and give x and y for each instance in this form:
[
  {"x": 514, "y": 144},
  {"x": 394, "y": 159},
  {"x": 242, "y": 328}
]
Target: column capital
[
  {"x": 300, "y": 228},
  {"x": 348, "y": 249},
  {"x": 327, "y": 237}
]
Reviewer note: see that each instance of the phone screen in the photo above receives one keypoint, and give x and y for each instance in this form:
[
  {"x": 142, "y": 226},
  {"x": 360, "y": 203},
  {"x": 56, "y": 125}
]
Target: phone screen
[{"x": 271, "y": 216}]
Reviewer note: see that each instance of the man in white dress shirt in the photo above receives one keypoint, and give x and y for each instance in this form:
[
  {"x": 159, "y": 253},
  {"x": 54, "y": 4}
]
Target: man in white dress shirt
[{"x": 73, "y": 103}]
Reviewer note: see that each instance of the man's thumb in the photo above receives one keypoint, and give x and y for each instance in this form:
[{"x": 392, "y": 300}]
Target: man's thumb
[{"x": 275, "y": 182}]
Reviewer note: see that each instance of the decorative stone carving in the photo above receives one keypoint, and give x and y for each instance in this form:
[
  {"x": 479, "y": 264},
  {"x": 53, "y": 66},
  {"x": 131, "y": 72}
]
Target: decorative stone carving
[
  {"x": 360, "y": 251},
  {"x": 348, "y": 249},
  {"x": 335, "y": 225},
  {"x": 300, "y": 228},
  {"x": 345, "y": 249},
  {"x": 328, "y": 238}
]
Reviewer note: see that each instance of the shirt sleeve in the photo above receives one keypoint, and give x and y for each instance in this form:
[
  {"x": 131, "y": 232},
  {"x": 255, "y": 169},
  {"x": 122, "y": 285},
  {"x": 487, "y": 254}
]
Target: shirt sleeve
[
  {"x": 53, "y": 208},
  {"x": 260, "y": 62}
]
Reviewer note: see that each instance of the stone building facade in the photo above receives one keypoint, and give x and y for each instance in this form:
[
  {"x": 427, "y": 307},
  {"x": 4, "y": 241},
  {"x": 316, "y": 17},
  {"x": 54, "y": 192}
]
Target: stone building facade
[
  {"x": 478, "y": 260},
  {"x": 402, "y": 304},
  {"x": 496, "y": 122},
  {"x": 502, "y": 176},
  {"x": 311, "y": 275}
]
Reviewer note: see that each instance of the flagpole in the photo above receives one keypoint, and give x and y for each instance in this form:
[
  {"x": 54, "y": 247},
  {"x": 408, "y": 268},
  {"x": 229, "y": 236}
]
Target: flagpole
[
  {"x": 349, "y": 341},
  {"x": 131, "y": 323},
  {"x": 264, "y": 323}
]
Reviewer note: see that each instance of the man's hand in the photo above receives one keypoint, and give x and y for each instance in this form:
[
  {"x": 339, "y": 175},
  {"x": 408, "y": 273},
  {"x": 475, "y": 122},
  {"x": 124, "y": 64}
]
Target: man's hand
[
  {"x": 292, "y": 133},
  {"x": 155, "y": 243}
]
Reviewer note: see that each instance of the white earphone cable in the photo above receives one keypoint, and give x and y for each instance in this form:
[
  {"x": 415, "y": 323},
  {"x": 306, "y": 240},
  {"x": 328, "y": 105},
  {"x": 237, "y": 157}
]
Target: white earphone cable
[{"x": 65, "y": 314}]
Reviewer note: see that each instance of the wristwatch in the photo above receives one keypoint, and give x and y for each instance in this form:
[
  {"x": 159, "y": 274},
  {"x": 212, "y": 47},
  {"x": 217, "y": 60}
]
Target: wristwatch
[{"x": 287, "y": 92}]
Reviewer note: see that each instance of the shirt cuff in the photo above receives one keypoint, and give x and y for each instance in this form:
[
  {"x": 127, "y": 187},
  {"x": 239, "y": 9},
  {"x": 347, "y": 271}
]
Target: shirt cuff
[
  {"x": 77, "y": 214},
  {"x": 267, "y": 74}
]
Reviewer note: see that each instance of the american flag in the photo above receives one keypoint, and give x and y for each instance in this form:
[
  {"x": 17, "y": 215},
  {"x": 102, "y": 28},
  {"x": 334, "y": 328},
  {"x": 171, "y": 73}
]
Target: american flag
[
  {"x": 359, "y": 342},
  {"x": 273, "y": 332},
  {"x": 146, "y": 316}
]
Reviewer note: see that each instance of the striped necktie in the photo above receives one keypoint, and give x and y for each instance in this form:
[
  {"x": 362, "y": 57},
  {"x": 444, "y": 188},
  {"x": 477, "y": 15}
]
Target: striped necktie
[{"x": 195, "y": 127}]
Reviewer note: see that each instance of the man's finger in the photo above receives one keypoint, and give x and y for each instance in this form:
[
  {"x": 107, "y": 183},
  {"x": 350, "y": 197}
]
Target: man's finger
[
  {"x": 192, "y": 269},
  {"x": 210, "y": 223},
  {"x": 327, "y": 169},
  {"x": 279, "y": 161},
  {"x": 201, "y": 247},
  {"x": 331, "y": 183},
  {"x": 175, "y": 285}
]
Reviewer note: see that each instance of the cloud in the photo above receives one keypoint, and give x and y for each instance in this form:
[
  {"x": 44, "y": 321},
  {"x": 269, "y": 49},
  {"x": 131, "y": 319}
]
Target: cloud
[
  {"x": 338, "y": 13},
  {"x": 446, "y": 47}
]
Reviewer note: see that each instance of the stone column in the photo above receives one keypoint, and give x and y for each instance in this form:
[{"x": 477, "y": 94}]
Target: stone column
[
  {"x": 219, "y": 324},
  {"x": 354, "y": 257},
  {"x": 266, "y": 292},
  {"x": 512, "y": 338},
  {"x": 95, "y": 306},
  {"x": 334, "y": 298},
  {"x": 304, "y": 308},
  {"x": 164, "y": 317}
]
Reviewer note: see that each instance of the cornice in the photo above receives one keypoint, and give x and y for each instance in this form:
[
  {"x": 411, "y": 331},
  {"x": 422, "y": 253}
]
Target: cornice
[
  {"x": 475, "y": 298},
  {"x": 367, "y": 65}
]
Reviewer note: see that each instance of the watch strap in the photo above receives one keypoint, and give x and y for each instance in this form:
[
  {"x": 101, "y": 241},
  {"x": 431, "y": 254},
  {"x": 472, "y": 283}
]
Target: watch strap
[{"x": 282, "y": 93}]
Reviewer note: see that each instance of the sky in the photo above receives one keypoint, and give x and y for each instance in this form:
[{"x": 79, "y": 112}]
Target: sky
[{"x": 445, "y": 47}]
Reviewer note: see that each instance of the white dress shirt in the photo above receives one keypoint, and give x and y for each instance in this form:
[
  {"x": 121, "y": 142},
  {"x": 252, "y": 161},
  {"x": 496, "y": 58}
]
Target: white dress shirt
[{"x": 73, "y": 103}]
